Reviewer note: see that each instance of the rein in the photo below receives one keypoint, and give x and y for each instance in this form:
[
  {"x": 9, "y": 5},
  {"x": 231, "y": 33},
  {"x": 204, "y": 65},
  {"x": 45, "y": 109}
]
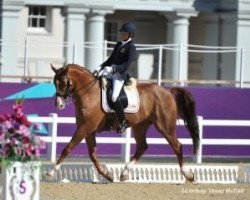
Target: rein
[
  {"x": 90, "y": 84},
  {"x": 68, "y": 90}
]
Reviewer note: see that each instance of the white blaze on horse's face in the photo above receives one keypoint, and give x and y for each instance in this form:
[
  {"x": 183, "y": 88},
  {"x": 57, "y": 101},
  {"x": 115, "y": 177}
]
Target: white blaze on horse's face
[
  {"x": 62, "y": 85},
  {"x": 61, "y": 96},
  {"x": 60, "y": 103}
]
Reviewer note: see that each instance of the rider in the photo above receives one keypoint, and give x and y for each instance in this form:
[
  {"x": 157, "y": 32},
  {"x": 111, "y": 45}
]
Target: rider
[{"x": 116, "y": 67}]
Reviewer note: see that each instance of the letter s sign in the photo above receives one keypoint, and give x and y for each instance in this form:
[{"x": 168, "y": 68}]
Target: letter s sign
[{"x": 22, "y": 186}]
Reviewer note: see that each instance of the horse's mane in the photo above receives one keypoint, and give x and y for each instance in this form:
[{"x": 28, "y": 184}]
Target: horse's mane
[{"x": 80, "y": 68}]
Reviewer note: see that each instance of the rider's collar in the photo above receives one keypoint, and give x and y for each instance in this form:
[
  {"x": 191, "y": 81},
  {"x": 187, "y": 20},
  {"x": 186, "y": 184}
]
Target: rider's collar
[{"x": 125, "y": 42}]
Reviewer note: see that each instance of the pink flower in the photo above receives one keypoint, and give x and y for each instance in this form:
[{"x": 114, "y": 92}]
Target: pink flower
[
  {"x": 2, "y": 136},
  {"x": 19, "y": 151},
  {"x": 17, "y": 142},
  {"x": 29, "y": 150},
  {"x": 8, "y": 124},
  {"x": 26, "y": 140},
  {"x": 23, "y": 130},
  {"x": 37, "y": 152},
  {"x": 13, "y": 141},
  {"x": 42, "y": 144}
]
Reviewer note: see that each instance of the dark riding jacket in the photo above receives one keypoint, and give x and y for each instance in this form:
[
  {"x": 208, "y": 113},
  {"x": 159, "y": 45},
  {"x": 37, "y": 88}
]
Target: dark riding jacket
[{"x": 122, "y": 57}]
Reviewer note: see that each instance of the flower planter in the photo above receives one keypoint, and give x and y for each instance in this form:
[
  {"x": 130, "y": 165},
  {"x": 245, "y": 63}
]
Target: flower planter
[{"x": 20, "y": 180}]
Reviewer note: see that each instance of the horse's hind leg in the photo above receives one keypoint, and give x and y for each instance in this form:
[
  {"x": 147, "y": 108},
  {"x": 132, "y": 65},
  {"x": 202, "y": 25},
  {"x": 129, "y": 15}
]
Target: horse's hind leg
[
  {"x": 91, "y": 143},
  {"x": 167, "y": 129},
  {"x": 141, "y": 146}
]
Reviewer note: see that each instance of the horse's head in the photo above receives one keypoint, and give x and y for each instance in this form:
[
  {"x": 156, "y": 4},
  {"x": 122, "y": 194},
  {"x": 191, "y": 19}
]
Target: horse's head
[{"x": 63, "y": 86}]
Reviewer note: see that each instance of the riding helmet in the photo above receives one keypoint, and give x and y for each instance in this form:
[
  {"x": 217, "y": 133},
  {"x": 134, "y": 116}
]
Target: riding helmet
[{"x": 128, "y": 27}]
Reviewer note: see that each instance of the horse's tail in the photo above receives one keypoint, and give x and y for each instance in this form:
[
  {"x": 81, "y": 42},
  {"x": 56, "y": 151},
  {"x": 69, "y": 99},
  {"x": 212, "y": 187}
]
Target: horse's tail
[{"x": 186, "y": 111}]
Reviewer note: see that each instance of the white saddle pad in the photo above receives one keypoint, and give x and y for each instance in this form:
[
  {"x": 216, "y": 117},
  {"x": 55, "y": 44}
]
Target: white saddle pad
[{"x": 133, "y": 100}]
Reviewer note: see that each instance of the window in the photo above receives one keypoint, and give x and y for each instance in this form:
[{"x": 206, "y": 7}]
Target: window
[
  {"x": 37, "y": 17},
  {"x": 111, "y": 31}
]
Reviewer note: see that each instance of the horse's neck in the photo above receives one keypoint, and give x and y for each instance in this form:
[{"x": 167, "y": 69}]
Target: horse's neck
[
  {"x": 80, "y": 74},
  {"x": 81, "y": 79}
]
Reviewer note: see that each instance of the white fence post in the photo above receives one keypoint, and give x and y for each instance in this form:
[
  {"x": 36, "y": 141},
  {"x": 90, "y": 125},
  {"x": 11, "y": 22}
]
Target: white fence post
[
  {"x": 241, "y": 66},
  {"x": 160, "y": 65},
  {"x": 105, "y": 50},
  {"x": 127, "y": 146},
  {"x": 180, "y": 63},
  {"x": 198, "y": 157},
  {"x": 53, "y": 134},
  {"x": 25, "y": 67},
  {"x": 74, "y": 53}
]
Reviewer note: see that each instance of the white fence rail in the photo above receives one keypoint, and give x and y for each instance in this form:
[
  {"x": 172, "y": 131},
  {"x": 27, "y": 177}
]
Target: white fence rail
[
  {"x": 126, "y": 140},
  {"x": 159, "y": 51}
]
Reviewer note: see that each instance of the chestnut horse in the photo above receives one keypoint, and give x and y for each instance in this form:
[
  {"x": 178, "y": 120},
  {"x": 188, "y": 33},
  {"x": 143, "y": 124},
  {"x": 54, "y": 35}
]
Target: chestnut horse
[{"x": 158, "y": 106}]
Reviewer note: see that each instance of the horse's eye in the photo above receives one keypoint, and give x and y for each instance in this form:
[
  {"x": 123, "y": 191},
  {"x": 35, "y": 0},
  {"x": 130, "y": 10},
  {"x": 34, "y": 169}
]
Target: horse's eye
[{"x": 62, "y": 83}]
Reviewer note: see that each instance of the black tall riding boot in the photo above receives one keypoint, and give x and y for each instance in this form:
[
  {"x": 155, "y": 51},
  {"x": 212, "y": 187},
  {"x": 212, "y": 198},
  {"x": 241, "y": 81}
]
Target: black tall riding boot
[{"x": 120, "y": 115}]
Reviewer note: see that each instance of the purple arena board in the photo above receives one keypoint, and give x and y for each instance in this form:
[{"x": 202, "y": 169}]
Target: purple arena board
[{"x": 211, "y": 103}]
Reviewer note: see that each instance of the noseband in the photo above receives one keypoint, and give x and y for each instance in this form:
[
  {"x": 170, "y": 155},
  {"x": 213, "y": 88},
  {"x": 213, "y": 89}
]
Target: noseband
[
  {"x": 67, "y": 93},
  {"x": 69, "y": 83}
]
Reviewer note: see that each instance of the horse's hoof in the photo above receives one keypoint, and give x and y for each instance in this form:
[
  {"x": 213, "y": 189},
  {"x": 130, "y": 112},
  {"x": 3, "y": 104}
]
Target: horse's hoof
[
  {"x": 48, "y": 177},
  {"x": 124, "y": 177},
  {"x": 110, "y": 177},
  {"x": 190, "y": 177}
]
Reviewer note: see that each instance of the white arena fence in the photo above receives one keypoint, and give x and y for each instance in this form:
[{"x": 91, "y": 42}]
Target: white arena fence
[
  {"x": 126, "y": 140},
  {"x": 27, "y": 60},
  {"x": 146, "y": 173},
  {"x": 153, "y": 173}
]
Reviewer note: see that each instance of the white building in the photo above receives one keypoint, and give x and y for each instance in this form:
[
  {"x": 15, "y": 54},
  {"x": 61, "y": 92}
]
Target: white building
[{"x": 54, "y": 27}]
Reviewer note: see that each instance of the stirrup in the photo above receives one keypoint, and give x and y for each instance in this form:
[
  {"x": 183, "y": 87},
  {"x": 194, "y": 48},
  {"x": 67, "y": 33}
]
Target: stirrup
[{"x": 122, "y": 127}]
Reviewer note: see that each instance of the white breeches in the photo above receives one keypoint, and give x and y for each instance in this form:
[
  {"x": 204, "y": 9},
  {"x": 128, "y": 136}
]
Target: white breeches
[
  {"x": 105, "y": 71},
  {"x": 117, "y": 86},
  {"x": 116, "y": 79}
]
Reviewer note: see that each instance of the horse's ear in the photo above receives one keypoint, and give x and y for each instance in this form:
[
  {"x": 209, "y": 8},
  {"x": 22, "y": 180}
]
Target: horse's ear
[{"x": 53, "y": 68}]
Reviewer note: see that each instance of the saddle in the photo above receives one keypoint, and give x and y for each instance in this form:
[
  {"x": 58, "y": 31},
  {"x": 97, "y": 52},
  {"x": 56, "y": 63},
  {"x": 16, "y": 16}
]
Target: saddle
[{"x": 128, "y": 96}]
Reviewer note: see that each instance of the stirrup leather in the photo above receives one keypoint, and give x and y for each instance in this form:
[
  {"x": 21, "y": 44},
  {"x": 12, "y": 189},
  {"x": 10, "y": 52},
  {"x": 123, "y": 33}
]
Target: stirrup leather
[{"x": 122, "y": 127}]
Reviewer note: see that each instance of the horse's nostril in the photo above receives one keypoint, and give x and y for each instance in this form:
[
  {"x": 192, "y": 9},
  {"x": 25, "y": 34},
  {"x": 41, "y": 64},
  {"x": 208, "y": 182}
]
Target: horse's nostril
[{"x": 61, "y": 107}]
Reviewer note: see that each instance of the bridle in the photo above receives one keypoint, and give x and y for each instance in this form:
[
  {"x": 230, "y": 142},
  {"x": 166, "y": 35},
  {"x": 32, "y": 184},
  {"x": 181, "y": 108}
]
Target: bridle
[
  {"x": 68, "y": 87},
  {"x": 68, "y": 90}
]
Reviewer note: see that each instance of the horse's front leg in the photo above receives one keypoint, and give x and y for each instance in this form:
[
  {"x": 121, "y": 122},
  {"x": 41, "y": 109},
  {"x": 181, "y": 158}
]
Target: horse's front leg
[
  {"x": 91, "y": 143},
  {"x": 75, "y": 140}
]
